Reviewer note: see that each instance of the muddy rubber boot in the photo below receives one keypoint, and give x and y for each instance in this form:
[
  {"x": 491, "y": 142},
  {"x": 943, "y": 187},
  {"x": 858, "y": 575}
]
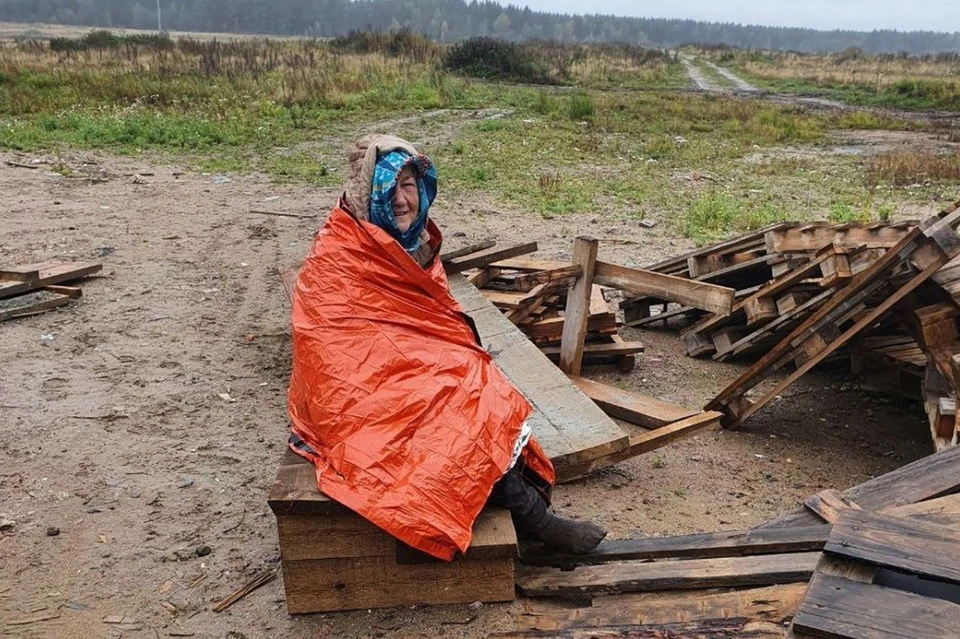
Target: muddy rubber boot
[{"x": 568, "y": 535}]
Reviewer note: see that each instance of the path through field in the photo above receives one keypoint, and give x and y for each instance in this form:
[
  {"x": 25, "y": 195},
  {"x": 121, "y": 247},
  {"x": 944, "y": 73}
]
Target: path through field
[{"x": 740, "y": 83}]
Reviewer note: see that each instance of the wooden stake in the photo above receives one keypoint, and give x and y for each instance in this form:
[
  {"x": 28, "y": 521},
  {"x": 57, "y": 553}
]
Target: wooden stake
[{"x": 578, "y": 306}]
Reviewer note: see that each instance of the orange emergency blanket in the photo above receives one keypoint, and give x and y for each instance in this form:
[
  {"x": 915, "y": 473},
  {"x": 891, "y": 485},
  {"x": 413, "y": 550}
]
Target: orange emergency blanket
[{"x": 409, "y": 420}]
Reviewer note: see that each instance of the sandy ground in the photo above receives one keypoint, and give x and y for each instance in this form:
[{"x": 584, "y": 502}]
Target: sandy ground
[{"x": 149, "y": 427}]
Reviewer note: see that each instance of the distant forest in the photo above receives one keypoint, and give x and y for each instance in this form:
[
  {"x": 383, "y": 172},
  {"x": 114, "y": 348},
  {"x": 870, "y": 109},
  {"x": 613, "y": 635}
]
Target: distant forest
[{"x": 452, "y": 20}]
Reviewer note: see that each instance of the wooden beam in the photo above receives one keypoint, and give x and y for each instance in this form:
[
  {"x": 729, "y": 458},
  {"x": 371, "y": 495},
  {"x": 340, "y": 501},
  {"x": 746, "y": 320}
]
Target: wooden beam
[
  {"x": 487, "y": 257},
  {"x": 688, "y": 574},
  {"x": 828, "y": 505},
  {"x": 46, "y": 274},
  {"x": 599, "y": 350},
  {"x": 635, "y": 408},
  {"x": 578, "y": 306},
  {"x": 707, "y": 297},
  {"x": 736, "y": 543},
  {"x": 649, "y": 441},
  {"x": 467, "y": 250}
]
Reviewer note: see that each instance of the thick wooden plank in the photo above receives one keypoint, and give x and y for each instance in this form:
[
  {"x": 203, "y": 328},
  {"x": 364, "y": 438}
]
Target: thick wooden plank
[
  {"x": 294, "y": 490},
  {"x": 942, "y": 510},
  {"x": 707, "y": 629},
  {"x": 578, "y": 306},
  {"x": 600, "y": 350},
  {"x": 737, "y": 543},
  {"x": 467, "y": 250},
  {"x": 487, "y": 257},
  {"x": 828, "y": 505},
  {"x": 796, "y": 240},
  {"x": 708, "y": 297},
  {"x": 666, "y": 575},
  {"x": 49, "y": 273},
  {"x": 770, "y": 603},
  {"x": 650, "y": 441},
  {"x": 525, "y": 281},
  {"x": 571, "y": 429},
  {"x": 927, "y": 478},
  {"x": 31, "y": 304},
  {"x": 322, "y": 585},
  {"x": 836, "y": 608},
  {"x": 635, "y": 408},
  {"x": 917, "y": 547}
]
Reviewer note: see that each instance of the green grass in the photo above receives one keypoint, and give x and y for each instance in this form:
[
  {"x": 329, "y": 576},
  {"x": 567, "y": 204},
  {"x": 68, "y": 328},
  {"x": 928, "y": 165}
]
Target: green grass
[{"x": 685, "y": 159}]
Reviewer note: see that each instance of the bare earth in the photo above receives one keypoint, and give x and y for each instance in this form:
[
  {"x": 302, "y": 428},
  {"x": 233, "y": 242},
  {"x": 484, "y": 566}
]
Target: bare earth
[{"x": 149, "y": 427}]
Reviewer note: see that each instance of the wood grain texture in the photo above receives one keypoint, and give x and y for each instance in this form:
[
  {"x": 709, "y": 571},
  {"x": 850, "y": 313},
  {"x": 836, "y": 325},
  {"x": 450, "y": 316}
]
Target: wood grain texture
[
  {"x": 666, "y": 575},
  {"x": 571, "y": 429},
  {"x": 837, "y": 608},
  {"x": 635, "y": 408},
  {"x": 378, "y": 582},
  {"x": 737, "y": 543},
  {"x": 828, "y": 505},
  {"x": 706, "y": 629},
  {"x": 771, "y": 604},
  {"x": 917, "y": 547},
  {"x": 927, "y": 478},
  {"x": 47, "y": 273},
  {"x": 707, "y": 297},
  {"x": 578, "y": 306},
  {"x": 487, "y": 257}
]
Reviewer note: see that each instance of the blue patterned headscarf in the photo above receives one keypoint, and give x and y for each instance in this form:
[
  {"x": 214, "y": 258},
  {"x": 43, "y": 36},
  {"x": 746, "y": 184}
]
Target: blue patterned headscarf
[{"x": 384, "y": 185}]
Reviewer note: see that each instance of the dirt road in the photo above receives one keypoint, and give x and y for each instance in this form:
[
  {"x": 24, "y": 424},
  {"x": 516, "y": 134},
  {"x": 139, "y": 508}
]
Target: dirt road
[{"x": 147, "y": 429}]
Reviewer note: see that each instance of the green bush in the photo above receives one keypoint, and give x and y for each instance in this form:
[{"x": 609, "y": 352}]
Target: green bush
[
  {"x": 492, "y": 59},
  {"x": 580, "y": 107}
]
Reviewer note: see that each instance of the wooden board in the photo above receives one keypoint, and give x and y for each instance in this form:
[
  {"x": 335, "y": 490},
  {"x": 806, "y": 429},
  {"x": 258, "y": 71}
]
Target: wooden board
[
  {"x": 666, "y": 575},
  {"x": 635, "y": 408},
  {"x": 48, "y": 273},
  {"x": 737, "y": 543},
  {"x": 578, "y": 309},
  {"x": 770, "y": 603},
  {"x": 708, "y": 297},
  {"x": 31, "y": 304},
  {"x": 708, "y": 629},
  {"x": 375, "y": 582},
  {"x": 571, "y": 429},
  {"x": 928, "y": 550},
  {"x": 652, "y": 440},
  {"x": 926, "y": 478},
  {"x": 837, "y": 608},
  {"x": 487, "y": 257}
]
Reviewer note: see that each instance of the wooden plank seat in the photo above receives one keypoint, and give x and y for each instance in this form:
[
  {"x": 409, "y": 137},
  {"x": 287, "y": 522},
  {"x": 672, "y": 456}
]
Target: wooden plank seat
[{"x": 333, "y": 559}]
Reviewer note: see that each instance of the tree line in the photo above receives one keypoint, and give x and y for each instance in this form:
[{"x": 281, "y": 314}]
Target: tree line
[{"x": 454, "y": 20}]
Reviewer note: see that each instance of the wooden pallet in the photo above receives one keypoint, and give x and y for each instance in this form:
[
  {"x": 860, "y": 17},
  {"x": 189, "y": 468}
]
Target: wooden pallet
[
  {"x": 884, "y": 576},
  {"x": 920, "y": 254}
]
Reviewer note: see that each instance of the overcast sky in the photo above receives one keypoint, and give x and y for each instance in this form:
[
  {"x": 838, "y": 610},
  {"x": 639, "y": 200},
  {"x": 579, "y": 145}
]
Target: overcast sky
[{"x": 866, "y": 15}]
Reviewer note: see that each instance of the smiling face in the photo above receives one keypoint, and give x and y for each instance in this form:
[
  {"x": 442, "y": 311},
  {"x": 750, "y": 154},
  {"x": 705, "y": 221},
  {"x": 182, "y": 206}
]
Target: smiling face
[{"x": 406, "y": 199}]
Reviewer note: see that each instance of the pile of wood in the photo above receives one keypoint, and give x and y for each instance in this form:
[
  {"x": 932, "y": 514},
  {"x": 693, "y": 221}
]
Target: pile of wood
[
  {"x": 36, "y": 288},
  {"x": 532, "y": 293},
  {"x": 878, "y": 560},
  {"x": 882, "y": 296}
]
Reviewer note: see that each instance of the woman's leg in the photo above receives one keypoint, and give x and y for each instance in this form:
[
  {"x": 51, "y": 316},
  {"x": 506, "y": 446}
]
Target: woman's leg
[{"x": 533, "y": 519}]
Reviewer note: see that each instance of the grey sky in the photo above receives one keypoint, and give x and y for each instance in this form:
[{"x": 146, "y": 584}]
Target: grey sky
[{"x": 904, "y": 15}]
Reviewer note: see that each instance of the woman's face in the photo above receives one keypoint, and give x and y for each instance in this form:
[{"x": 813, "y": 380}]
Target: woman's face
[{"x": 406, "y": 199}]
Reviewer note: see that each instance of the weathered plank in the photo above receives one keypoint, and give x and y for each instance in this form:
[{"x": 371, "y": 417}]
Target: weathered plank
[
  {"x": 571, "y": 429},
  {"x": 836, "y": 608},
  {"x": 708, "y": 297},
  {"x": 650, "y": 441},
  {"x": 921, "y": 548},
  {"x": 487, "y": 257},
  {"x": 828, "y": 505},
  {"x": 926, "y": 478},
  {"x": 635, "y": 408},
  {"x": 578, "y": 306},
  {"x": 467, "y": 250},
  {"x": 770, "y": 603},
  {"x": 707, "y": 629},
  {"x": 687, "y": 574},
  {"x": 45, "y": 274},
  {"x": 31, "y": 304},
  {"x": 737, "y": 543}
]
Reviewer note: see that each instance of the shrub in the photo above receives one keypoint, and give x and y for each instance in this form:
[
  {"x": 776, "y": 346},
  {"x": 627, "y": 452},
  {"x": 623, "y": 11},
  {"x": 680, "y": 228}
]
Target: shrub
[
  {"x": 402, "y": 43},
  {"x": 492, "y": 59},
  {"x": 580, "y": 107}
]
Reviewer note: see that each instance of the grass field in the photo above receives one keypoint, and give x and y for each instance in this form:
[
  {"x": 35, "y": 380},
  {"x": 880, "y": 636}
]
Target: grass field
[
  {"x": 930, "y": 82},
  {"x": 604, "y": 130}
]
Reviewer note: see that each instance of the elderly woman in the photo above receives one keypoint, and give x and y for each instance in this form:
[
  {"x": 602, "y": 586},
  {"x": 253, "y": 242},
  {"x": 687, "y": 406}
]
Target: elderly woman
[{"x": 393, "y": 398}]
